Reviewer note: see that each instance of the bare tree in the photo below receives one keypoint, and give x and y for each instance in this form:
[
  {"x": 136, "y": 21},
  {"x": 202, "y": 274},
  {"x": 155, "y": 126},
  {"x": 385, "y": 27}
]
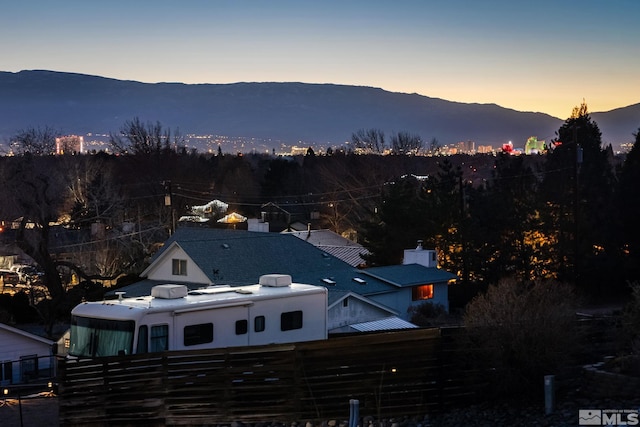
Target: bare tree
[
  {"x": 405, "y": 143},
  {"x": 369, "y": 141},
  {"x": 434, "y": 145},
  {"x": 139, "y": 138},
  {"x": 34, "y": 141},
  {"x": 33, "y": 189}
]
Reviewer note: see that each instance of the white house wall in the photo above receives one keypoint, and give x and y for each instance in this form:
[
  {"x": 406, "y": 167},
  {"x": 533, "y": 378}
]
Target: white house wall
[
  {"x": 163, "y": 268},
  {"x": 357, "y": 311},
  {"x": 16, "y": 346}
]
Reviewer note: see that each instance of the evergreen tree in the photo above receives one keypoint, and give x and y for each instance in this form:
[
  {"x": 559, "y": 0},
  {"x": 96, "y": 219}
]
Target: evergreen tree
[
  {"x": 578, "y": 187},
  {"x": 628, "y": 204}
]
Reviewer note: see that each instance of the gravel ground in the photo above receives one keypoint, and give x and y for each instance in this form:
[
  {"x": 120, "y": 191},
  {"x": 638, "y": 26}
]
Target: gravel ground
[
  {"x": 42, "y": 411},
  {"x": 39, "y": 410}
]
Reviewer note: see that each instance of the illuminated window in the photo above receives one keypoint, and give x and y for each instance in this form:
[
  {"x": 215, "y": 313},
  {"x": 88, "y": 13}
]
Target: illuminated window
[
  {"x": 423, "y": 292},
  {"x": 179, "y": 267}
]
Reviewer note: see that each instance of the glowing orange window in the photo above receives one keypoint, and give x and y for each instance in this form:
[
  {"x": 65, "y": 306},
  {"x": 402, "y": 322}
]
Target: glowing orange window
[{"x": 422, "y": 292}]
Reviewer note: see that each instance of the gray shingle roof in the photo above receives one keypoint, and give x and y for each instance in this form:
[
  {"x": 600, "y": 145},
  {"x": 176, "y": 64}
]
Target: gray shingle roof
[{"x": 410, "y": 274}]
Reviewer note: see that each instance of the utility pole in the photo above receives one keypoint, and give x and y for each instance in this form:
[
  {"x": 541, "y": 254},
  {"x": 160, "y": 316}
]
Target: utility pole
[{"x": 168, "y": 202}]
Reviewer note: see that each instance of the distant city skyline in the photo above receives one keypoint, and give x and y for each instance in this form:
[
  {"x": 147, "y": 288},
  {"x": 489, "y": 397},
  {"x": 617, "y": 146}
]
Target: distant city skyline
[{"x": 545, "y": 56}]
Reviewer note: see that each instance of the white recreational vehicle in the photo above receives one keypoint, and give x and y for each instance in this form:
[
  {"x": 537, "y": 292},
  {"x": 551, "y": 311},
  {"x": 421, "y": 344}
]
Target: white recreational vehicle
[{"x": 173, "y": 318}]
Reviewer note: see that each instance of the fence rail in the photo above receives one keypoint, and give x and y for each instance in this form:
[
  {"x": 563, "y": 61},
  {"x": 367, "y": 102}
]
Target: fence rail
[{"x": 26, "y": 373}]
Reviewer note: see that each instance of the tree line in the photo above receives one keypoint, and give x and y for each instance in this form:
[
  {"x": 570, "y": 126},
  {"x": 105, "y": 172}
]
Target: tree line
[{"x": 568, "y": 215}]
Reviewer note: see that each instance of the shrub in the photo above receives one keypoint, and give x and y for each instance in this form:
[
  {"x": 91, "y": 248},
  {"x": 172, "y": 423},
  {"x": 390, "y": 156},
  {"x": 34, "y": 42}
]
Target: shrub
[
  {"x": 520, "y": 332},
  {"x": 428, "y": 314}
]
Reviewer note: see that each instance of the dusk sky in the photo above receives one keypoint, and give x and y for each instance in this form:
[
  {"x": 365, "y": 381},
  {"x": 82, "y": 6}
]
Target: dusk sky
[{"x": 544, "y": 56}]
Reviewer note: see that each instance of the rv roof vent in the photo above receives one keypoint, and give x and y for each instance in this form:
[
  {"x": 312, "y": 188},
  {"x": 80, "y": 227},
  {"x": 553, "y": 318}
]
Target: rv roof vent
[
  {"x": 275, "y": 280},
  {"x": 169, "y": 291},
  {"x": 329, "y": 281},
  {"x": 359, "y": 280}
]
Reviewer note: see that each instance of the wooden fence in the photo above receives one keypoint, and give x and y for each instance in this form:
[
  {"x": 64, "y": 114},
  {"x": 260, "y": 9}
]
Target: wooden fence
[
  {"x": 400, "y": 373},
  {"x": 392, "y": 374}
]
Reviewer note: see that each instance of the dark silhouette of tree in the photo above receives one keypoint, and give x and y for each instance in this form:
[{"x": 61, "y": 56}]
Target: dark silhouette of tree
[
  {"x": 405, "y": 143},
  {"x": 34, "y": 141},
  {"x": 94, "y": 193},
  {"x": 628, "y": 204},
  {"x": 434, "y": 146},
  {"x": 398, "y": 223},
  {"x": 347, "y": 188},
  {"x": 136, "y": 137},
  {"x": 506, "y": 225},
  {"x": 35, "y": 188},
  {"x": 578, "y": 187},
  {"x": 282, "y": 178},
  {"x": 448, "y": 214},
  {"x": 368, "y": 141}
]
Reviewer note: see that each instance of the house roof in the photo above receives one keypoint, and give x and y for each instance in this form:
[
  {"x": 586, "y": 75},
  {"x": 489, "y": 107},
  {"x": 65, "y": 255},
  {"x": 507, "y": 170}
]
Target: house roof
[
  {"x": 389, "y": 323},
  {"x": 349, "y": 254},
  {"x": 25, "y": 334},
  {"x": 240, "y": 257},
  {"x": 323, "y": 238},
  {"x": 409, "y": 274},
  {"x": 334, "y": 244}
]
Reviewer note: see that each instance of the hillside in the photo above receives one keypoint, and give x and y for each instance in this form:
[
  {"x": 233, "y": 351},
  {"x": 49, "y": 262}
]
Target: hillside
[{"x": 288, "y": 112}]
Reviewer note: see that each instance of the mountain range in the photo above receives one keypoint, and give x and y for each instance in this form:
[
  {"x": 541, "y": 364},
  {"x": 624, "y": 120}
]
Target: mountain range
[{"x": 325, "y": 114}]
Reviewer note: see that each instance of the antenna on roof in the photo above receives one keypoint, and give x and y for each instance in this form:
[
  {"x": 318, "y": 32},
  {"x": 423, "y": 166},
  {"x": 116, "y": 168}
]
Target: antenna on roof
[
  {"x": 120, "y": 294},
  {"x": 419, "y": 247}
]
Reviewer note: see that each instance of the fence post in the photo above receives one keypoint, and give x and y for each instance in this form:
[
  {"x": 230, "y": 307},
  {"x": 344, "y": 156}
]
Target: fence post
[
  {"x": 549, "y": 393},
  {"x": 354, "y": 409}
]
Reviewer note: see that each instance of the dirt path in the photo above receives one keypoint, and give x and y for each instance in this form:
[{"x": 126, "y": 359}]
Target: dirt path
[{"x": 31, "y": 411}]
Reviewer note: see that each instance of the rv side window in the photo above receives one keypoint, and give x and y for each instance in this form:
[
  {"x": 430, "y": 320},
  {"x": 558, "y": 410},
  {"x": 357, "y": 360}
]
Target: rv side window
[
  {"x": 159, "y": 338},
  {"x": 179, "y": 267},
  {"x": 143, "y": 339},
  {"x": 259, "y": 323},
  {"x": 198, "y": 334},
  {"x": 242, "y": 326},
  {"x": 291, "y": 320}
]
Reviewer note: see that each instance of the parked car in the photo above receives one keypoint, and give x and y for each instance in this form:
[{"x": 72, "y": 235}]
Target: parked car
[
  {"x": 26, "y": 272},
  {"x": 9, "y": 278}
]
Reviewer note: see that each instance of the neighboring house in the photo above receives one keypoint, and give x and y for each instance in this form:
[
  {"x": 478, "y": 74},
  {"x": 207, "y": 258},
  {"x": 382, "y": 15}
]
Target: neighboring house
[
  {"x": 284, "y": 216},
  {"x": 334, "y": 244},
  {"x": 199, "y": 257},
  {"x": 24, "y": 357},
  {"x": 344, "y": 307},
  {"x": 418, "y": 279}
]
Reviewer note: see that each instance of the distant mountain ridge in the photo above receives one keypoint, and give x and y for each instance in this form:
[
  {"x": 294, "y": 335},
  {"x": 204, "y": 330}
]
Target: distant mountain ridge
[{"x": 288, "y": 112}]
